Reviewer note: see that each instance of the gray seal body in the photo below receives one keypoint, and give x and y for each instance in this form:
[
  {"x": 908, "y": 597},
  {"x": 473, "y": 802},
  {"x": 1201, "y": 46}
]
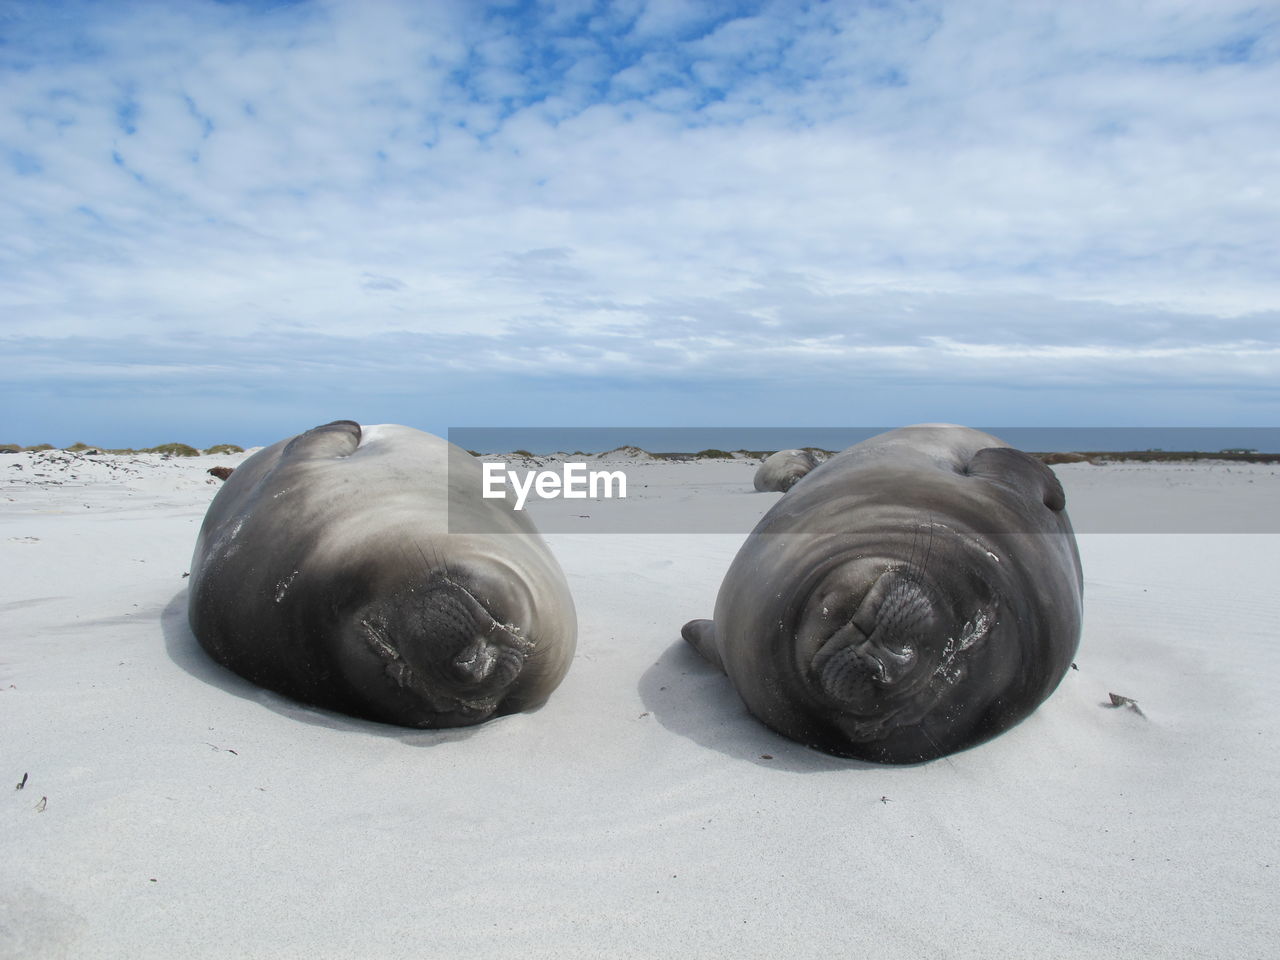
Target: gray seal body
[
  {"x": 917, "y": 594},
  {"x": 780, "y": 471},
  {"x": 325, "y": 571}
]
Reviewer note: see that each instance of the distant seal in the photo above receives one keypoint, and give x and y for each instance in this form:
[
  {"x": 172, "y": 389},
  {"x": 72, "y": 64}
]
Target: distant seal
[
  {"x": 918, "y": 594},
  {"x": 780, "y": 471},
  {"x": 325, "y": 570}
]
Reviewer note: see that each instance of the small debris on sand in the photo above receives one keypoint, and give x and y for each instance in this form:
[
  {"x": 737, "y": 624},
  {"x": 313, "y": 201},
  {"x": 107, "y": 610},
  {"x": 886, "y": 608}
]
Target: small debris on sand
[{"x": 1119, "y": 701}]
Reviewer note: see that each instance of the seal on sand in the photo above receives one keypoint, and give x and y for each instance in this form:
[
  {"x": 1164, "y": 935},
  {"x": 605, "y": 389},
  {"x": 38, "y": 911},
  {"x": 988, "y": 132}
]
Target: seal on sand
[
  {"x": 325, "y": 570},
  {"x": 919, "y": 593},
  {"x": 780, "y": 471}
]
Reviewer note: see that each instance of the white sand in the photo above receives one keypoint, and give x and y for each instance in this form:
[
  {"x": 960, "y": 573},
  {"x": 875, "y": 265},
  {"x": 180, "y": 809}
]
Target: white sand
[{"x": 187, "y": 813}]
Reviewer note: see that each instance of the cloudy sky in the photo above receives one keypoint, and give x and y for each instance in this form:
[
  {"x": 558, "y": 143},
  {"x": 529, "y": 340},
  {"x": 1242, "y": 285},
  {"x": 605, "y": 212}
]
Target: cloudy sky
[{"x": 234, "y": 220}]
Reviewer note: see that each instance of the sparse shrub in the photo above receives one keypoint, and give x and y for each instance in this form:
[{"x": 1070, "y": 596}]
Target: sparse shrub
[
  {"x": 713, "y": 455},
  {"x": 9, "y": 448},
  {"x": 39, "y": 446},
  {"x": 521, "y": 453},
  {"x": 224, "y": 448},
  {"x": 175, "y": 450},
  {"x": 1052, "y": 458}
]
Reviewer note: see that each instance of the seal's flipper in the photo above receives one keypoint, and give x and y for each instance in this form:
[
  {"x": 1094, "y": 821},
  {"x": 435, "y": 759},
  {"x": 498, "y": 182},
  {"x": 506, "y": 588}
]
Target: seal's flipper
[
  {"x": 337, "y": 439},
  {"x": 702, "y": 634},
  {"x": 1021, "y": 471}
]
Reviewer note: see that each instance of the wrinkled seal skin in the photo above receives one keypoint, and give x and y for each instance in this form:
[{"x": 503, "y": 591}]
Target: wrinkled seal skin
[
  {"x": 325, "y": 571},
  {"x": 779, "y": 471},
  {"x": 917, "y": 594}
]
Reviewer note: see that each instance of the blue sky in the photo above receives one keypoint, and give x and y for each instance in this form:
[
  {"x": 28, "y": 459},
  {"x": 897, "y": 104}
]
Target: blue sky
[{"x": 232, "y": 221}]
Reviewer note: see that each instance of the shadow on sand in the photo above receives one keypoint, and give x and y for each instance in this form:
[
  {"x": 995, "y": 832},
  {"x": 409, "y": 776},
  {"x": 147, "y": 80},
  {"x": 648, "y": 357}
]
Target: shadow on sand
[
  {"x": 693, "y": 699},
  {"x": 184, "y": 650}
]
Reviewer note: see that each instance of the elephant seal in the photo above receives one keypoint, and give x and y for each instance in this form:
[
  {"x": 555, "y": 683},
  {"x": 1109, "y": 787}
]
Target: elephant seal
[
  {"x": 780, "y": 471},
  {"x": 919, "y": 593},
  {"x": 325, "y": 571}
]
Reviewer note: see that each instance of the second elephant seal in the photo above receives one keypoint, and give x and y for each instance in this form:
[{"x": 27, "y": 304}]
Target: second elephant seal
[
  {"x": 919, "y": 593},
  {"x": 780, "y": 471},
  {"x": 325, "y": 570}
]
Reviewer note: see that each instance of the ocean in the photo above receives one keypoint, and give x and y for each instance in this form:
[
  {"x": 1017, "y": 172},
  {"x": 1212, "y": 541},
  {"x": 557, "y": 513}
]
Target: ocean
[{"x": 543, "y": 440}]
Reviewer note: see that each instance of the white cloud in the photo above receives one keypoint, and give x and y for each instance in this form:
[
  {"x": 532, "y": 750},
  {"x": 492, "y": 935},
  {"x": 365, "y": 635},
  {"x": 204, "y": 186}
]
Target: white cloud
[{"x": 893, "y": 184}]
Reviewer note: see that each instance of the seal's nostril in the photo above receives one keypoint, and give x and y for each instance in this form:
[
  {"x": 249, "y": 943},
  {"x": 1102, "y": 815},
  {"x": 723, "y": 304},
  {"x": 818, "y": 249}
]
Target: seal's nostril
[{"x": 474, "y": 662}]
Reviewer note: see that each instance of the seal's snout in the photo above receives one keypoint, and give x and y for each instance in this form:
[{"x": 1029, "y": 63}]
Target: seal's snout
[
  {"x": 474, "y": 662},
  {"x": 492, "y": 661},
  {"x": 875, "y": 655},
  {"x": 445, "y": 646}
]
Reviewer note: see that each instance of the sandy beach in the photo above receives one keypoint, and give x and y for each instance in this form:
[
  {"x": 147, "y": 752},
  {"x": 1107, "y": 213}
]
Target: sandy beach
[{"x": 172, "y": 809}]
